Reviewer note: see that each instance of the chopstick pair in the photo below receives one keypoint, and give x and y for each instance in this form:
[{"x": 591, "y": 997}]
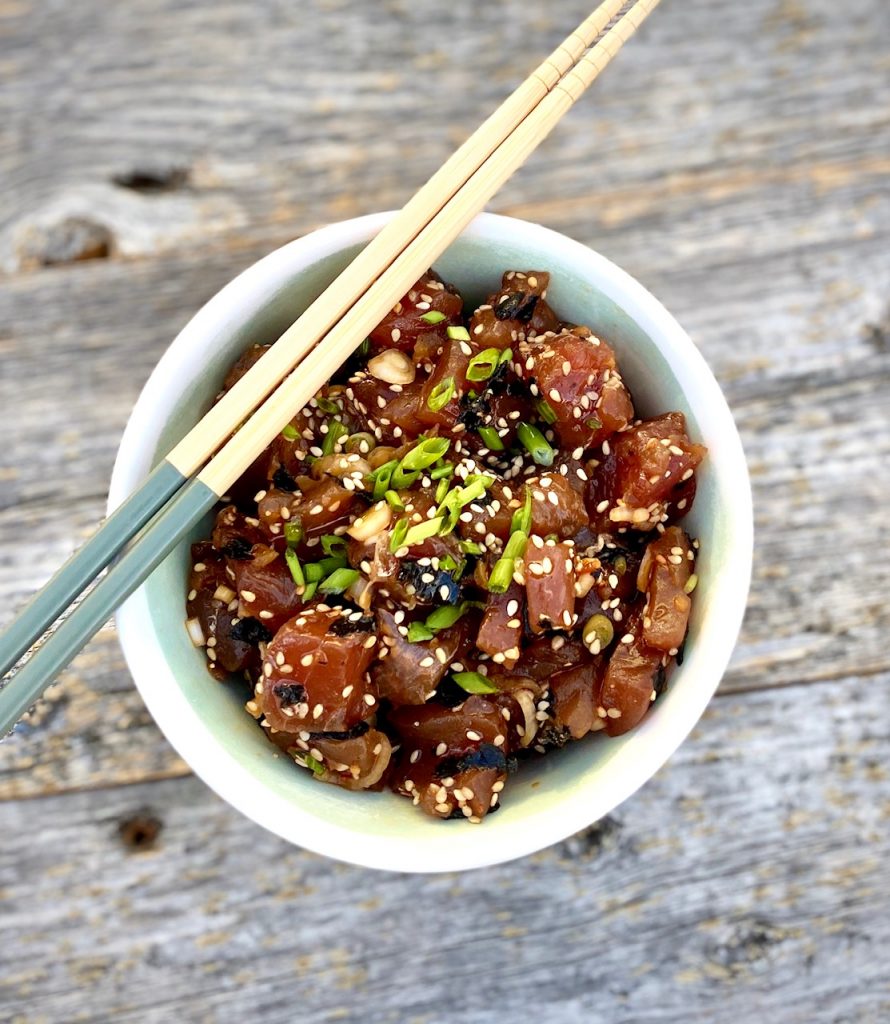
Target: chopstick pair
[{"x": 186, "y": 485}]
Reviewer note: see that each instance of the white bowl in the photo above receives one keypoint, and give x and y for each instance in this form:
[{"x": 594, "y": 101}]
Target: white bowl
[{"x": 549, "y": 798}]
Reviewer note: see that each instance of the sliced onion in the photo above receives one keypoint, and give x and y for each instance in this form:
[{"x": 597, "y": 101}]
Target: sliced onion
[
  {"x": 526, "y": 700},
  {"x": 392, "y": 367},
  {"x": 195, "y": 632},
  {"x": 372, "y": 522}
]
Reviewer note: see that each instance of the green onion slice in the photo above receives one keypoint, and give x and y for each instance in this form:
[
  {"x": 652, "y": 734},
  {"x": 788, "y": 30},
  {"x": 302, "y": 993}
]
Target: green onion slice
[
  {"x": 458, "y": 334},
  {"x": 333, "y": 545},
  {"x": 483, "y": 365},
  {"x": 433, "y": 317},
  {"x": 441, "y": 394},
  {"x": 314, "y": 764},
  {"x": 534, "y": 441},
  {"x": 296, "y": 570},
  {"x": 338, "y": 581},
  {"x": 505, "y": 356},
  {"x": 441, "y": 490},
  {"x": 470, "y": 547},
  {"x": 440, "y": 472},
  {"x": 422, "y": 531},
  {"x": 502, "y": 573},
  {"x": 545, "y": 410},
  {"x": 336, "y": 430},
  {"x": 328, "y": 406},
  {"x": 426, "y": 453},
  {"x": 394, "y": 501},
  {"x": 293, "y": 532},
  {"x": 522, "y": 517},
  {"x": 381, "y": 478},
  {"x": 290, "y": 433},
  {"x": 473, "y": 682},
  {"x": 397, "y": 540},
  {"x": 491, "y": 439},
  {"x": 418, "y": 632}
]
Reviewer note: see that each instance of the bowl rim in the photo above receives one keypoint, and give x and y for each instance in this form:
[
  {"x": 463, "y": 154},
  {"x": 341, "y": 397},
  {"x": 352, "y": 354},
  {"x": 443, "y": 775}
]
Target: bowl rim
[{"x": 192, "y": 739}]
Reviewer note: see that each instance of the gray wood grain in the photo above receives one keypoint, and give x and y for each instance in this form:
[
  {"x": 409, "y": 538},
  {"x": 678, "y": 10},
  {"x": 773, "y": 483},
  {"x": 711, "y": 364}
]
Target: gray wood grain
[
  {"x": 743, "y": 883},
  {"x": 735, "y": 160}
]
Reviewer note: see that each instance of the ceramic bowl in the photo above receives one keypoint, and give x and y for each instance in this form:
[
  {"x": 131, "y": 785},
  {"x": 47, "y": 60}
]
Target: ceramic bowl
[{"x": 552, "y": 797}]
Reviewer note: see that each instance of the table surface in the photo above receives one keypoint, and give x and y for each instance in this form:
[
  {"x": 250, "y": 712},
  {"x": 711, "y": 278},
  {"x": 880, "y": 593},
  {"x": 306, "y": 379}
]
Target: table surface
[{"x": 735, "y": 159}]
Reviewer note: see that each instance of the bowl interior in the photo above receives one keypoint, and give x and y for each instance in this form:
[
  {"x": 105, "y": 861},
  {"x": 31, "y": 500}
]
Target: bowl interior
[{"x": 551, "y": 797}]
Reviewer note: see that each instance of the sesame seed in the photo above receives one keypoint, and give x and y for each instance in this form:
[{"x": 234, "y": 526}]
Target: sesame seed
[{"x": 473, "y": 735}]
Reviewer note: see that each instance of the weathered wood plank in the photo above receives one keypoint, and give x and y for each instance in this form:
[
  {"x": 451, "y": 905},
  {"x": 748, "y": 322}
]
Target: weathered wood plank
[{"x": 748, "y": 881}]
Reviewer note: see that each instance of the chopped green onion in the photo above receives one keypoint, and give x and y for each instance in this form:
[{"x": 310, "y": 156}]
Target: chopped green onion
[
  {"x": 690, "y": 584},
  {"x": 418, "y": 632},
  {"x": 457, "y": 498},
  {"x": 522, "y": 517},
  {"x": 394, "y": 501},
  {"x": 598, "y": 627},
  {"x": 441, "y": 394},
  {"x": 442, "y": 490},
  {"x": 336, "y": 561},
  {"x": 491, "y": 439},
  {"x": 473, "y": 682},
  {"x": 483, "y": 365},
  {"x": 330, "y": 541},
  {"x": 382, "y": 477},
  {"x": 314, "y": 764},
  {"x": 328, "y": 406},
  {"x": 293, "y": 532},
  {"x": 314, "y": 572},
  {"x": 309, "y": 592},
  {"x": 296, "y": 570},
  {"x": 533, "y": 440},
  {"x": 458, "y": 334},
  {"x": 338, "y": 581},
  {"x": 502, "y": 573},
  {"x": 593, "y": 423},
  {"x": 447, "y": 563},
  {"x": 433, "y": 317},
  {"x": 440, "y": 472},
  {"x": 397, "y": 540},
  {"x": 364, "y": 348},
  {"x": 360, "y": 444},
  {"x": 505, "y": 356},
  {"x": 545, "y": 410},
  {"x": 290, "y": 433},
  {"x": 445, "y": 617},
  {"x": 422, "y": 531},
  {"x": 336, "y": 430},
  {"x": 426, "y": 453},
  {"x": 470, "y": 547}
]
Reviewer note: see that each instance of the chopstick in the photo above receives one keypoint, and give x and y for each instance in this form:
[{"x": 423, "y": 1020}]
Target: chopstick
[
  {"x": 430, "y": 235},
  {"x": 238, "y": 403}
]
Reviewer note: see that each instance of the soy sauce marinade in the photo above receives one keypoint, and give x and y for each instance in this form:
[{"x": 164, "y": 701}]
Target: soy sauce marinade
[{"x": 463, "y": 551}]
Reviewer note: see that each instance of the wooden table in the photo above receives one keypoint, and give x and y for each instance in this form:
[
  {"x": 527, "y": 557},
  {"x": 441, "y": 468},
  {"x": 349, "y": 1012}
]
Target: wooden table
[{"x": 735, "y": 159}]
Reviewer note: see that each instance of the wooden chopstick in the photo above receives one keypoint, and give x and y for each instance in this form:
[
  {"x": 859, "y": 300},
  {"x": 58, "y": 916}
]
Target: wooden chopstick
[
  {"x": 202, "y": 493},
  {"x": 238, "y": 403}
]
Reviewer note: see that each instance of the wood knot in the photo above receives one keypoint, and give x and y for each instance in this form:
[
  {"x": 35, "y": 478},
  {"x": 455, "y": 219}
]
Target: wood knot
[
  {"x": 139, "y": 833},
  {"x": 150, "y": 179},
  {"x": 64, "y": 241}
]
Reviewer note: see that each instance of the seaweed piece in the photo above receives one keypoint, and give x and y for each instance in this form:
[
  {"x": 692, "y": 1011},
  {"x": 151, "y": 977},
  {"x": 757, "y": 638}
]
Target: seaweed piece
[
  {"x": 349, "y": 734},
  {"x": 289, "y": 694},
  {"x": 345, "y": 626},
  {"x": 283, "y": 480},
  {"x": 250, "y": 631},
  {"x": 239, "y": 549},
  {"x": 516, "y": 306},
  {"x": 412, "y": 572}
]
